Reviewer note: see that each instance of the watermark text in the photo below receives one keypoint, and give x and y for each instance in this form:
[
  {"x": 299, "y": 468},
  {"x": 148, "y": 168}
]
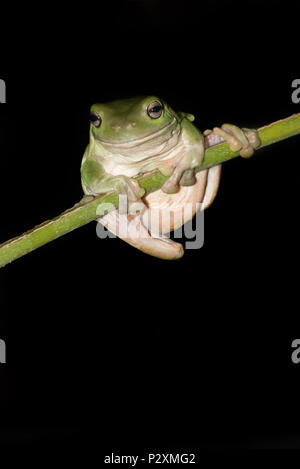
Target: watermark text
[
  {"x": 2, "y": 351},
  {"x": 157, "y": 222},
  {"x": 2, "y": 91},
  {"x": 296, "y": 92},
  {"x": 296, "y": 352}
]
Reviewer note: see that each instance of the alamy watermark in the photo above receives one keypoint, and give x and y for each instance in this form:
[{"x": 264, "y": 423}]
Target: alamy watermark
[
  {"x": 296, "y": 92},
  {"x": 296, "y": 353},
  {"x": 158, "y": 222},
  {"x": 2, "y": 351},
  {"x": 2, "y": 91},
  {"x": 2, "y": 342}
]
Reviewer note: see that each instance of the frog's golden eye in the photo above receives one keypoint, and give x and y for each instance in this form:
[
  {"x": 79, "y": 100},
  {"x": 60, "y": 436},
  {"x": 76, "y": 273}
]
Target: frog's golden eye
[
  {"x": 154, "y": 110},
  {"x": 95, "y": 119}
]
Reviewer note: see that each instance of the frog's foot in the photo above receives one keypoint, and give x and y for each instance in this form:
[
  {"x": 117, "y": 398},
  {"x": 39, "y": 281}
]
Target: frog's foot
[
  {"x": 243, "y": 140},
  {"x": 131, "y": 229}
]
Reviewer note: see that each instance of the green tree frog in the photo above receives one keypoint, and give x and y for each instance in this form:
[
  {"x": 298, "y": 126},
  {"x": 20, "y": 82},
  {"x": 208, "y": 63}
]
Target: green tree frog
[{"x": 134, "y": 136}]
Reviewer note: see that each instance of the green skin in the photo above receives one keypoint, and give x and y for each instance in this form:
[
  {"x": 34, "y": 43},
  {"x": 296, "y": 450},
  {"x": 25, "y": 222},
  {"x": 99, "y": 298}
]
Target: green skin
[{"x": 129, "y": 142}]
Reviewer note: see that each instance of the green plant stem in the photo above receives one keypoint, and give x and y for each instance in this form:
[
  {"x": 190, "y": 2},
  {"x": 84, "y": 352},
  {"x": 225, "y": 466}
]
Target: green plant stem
[{"x": 80, "y": 215}]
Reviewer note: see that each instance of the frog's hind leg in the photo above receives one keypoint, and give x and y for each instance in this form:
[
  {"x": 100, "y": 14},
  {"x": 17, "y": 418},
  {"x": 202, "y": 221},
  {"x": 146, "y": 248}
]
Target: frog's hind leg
[
  {"x": 212, "y": 186},
  {"x": 131, "y": 229},
  {"x": 166, "y": 213}
]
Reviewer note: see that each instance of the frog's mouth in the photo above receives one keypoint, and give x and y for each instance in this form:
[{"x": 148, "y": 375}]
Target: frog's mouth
[{"x": 140, "y": 140}]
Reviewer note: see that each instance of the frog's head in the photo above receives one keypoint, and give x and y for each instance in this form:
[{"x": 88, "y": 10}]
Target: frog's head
[{"x": 131, "y": 121}]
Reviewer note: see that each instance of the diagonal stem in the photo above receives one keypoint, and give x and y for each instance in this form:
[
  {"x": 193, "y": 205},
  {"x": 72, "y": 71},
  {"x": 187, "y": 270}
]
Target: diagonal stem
[{"x": 79, "y": 215}]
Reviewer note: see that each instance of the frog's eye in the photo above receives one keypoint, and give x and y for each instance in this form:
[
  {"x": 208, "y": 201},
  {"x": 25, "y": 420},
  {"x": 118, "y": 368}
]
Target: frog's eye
[
  {"x": 95, "y": 119},
  {"x": 154, "y": 110}
]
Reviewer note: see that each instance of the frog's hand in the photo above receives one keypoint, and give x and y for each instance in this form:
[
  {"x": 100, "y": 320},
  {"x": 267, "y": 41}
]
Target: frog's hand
[
  {"x": 167, "y": 212},
  {"x": 239, "y": 139},
  {"x": 130, "y": 229},
  {"x": 181, "y": 169}
]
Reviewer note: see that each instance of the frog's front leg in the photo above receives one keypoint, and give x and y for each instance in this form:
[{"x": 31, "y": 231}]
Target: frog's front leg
[
  {"x": 183, "y": 172},
  {"x": 96, "y": 181},
  {"x": 243, "y": 140}
]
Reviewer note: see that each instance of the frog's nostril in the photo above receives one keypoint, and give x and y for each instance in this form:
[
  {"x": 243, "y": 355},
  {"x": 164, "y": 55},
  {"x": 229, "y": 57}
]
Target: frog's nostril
[
  {"x": 116, "y": 128},
  {"x": 133, "y": 124}
]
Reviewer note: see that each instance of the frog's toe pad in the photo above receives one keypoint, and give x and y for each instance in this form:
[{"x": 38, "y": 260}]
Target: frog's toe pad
[
  {"x": 253, "y": 137},
  {"x": 170, "y": 187},
  {"x": 188, "y": 178},
  {"x": 247, "y": 151}
]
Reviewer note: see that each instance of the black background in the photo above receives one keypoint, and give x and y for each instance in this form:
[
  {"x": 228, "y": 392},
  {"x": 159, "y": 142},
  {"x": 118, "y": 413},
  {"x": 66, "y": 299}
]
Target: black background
[{"x": 106, "y": 346}]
